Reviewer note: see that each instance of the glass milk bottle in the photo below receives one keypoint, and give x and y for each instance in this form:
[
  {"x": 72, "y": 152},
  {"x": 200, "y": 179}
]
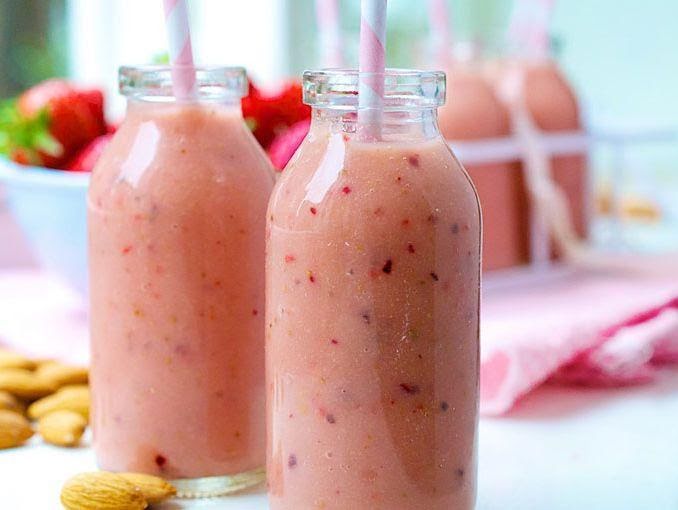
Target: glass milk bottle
[
  {"x": 373, "y": 273},
  {"x": 176, "y": 245}
]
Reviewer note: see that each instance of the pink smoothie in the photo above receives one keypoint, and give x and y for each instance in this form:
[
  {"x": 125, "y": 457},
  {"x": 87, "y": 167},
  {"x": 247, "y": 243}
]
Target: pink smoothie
[
  {"x": 373, "y": 263},
  {"x": 177, "y": 220},
  {"x": 474, "y": 112}
]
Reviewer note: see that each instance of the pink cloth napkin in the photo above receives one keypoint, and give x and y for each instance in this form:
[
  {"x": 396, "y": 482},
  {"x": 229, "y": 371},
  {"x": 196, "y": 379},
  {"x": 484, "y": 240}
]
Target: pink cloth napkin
[{"x": 585, "y": 329}]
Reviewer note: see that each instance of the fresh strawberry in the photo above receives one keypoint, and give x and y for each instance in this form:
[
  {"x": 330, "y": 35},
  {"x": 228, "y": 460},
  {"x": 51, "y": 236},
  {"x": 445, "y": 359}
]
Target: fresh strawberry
[
  {"x": 270, "y": 114},
  {"x": 286, "y": 144},
  {"x": 50, "y": 122},
  {"x": 85, "y": 160}
]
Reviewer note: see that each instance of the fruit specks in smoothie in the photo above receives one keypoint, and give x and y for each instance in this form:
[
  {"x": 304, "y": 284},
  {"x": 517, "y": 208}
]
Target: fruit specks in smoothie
[
  {"x": 410, "y": 247},
  {"x": 399, "y": 178},
  {"x": 434, "y": 276},
  {"x": 460, "y": 473},
  {"x": 388, "y": 266},
  {"x": 410, "y": 389},
  {"x": 444, "y": 406},
  {"x": 378, "y": 211},
  {"x": 346, "y": 190},
  {"x": 432, "y": 218},
  {"x": 255, "y": 312},
  {"x": 138, "y": 312},
  {"x": 311, "y": 277},
  {"x": 182, "y": 350},
  {"x": 292, "y": 461},
  {"x": 366, "y": 317},
  {"x": 413, "y": 160},
  {"x": 455, "y": 228},
  {"x": 290, "y": 258},
  {"x": 405, "y": 223},
  {"x": 126, "y": 249},
  {"x": 160, "y": 461},
  {"x": 330, "y": 418},
  {"x": 217, "y": 283},
  {"x": 334, "y": 341},
  {"x": 314, "y": 211}
]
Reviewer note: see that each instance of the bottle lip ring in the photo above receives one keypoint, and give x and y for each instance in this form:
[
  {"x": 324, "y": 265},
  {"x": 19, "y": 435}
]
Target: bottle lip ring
[
  {"x": 154, "y": 82},
  {"x": 403, "y": 88}
]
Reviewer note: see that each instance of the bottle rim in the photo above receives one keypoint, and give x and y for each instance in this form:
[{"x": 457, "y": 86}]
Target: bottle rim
[
  {"x": 404, "y": 89},
  {"x": 154, "y": 82}
]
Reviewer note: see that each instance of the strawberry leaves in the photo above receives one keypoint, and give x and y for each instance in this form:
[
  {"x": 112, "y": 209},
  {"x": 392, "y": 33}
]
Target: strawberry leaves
[{"x": 24, "y": 139}]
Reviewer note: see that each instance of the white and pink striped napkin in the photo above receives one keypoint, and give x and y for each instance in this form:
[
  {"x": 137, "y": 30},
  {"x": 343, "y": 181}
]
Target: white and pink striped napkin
[{"x": 586, "y": 329}]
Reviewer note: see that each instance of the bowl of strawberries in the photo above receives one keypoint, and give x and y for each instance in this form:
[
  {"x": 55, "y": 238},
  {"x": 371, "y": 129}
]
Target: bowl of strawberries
[{"x": 50, "y": 138}]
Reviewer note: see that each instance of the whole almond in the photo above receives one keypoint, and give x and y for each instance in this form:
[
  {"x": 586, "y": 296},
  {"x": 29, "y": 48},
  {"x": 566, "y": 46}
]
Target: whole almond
[
  {"x": 14, "y": 429},
  {"x": 69, "y": 398},
  {"x": 10, "y": 359},
  {"x": 61, "y": 374},
  {"x": 9, "y": 402},
  {"x": 101, "y": 491},
  {"x": 62, "y": 428},
  {"x": 24, "y": 383},
  {"x": 153, "y": 488}
]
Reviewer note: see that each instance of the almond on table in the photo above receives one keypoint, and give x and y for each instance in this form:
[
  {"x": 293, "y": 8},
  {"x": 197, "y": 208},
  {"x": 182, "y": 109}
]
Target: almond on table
[
  {"x": 153, "y": 488},
  {"x": 75, "y": 398},
  {"x": 11, "y": 359},
  {"x": 24, "y": 384},
  {"x": 62, "y": 428},
  {"x": 101, "y": 491},
  {"x": 61, "y": 374},
  {"x": 9, "y": 402},
  {"x": 14, "y": 429}
]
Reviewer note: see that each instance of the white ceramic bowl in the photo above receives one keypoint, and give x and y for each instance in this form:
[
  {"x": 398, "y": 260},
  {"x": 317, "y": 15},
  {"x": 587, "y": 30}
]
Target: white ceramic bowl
[{"x": 50, "y": 207}]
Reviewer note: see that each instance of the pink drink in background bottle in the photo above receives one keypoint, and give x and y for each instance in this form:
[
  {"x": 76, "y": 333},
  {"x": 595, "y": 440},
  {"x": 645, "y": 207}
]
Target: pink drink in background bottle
[
  {"x": 177, "y": 219},
  {"x": 474, "y": 112},
  {"x": 553, "y": 106},
  {"x": 373, "y": 268}
]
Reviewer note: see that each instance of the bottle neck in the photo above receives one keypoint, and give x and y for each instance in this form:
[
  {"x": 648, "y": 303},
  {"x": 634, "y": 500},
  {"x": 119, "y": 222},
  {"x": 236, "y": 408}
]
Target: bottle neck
[
  {"x": 396, "y": 125},
  {"x": 139, "y": 105}
]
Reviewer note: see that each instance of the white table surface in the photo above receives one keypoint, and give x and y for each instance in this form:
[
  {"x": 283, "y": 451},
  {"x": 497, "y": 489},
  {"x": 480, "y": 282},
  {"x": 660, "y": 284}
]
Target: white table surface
[{"x": 561, "y": 449}]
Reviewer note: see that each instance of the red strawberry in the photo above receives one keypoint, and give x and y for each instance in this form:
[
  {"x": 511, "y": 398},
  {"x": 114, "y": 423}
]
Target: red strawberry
[
  {"x": 286, "y": 144},
  {"x": 85, "y": 160},
  {"x": 75, "y": 116},
  {"x": 271, "y": 114}
]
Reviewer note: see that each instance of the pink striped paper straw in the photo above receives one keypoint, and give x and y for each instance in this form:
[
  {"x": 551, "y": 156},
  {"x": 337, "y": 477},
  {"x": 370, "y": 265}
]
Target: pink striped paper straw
[
  {"x": 540, "y": 35},
  {"x": 329, "y": 33},
  {"x": 372, "y": 67},
  {"x": 529, "y": 26},
  {"x": 441, "y": 34},
  {"x": 180, "y": 50}
]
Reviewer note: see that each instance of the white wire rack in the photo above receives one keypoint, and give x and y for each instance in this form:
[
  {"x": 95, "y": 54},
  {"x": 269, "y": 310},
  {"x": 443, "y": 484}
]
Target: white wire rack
[{"x": 618, "y": 140}]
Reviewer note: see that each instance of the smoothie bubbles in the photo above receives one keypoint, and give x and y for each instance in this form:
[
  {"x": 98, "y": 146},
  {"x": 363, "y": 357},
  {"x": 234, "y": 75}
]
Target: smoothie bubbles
[
  {"x": 176, "y": 241},
  {"x": 373, "y": 269}
]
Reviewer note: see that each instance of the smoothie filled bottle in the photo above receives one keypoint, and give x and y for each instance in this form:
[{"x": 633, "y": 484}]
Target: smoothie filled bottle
[
  {"x": 476, "y": 113},
  {"x": 177, "y": 230},
  {"x": 373, "y": 268},
  {"x": 548, "y": 97}
]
